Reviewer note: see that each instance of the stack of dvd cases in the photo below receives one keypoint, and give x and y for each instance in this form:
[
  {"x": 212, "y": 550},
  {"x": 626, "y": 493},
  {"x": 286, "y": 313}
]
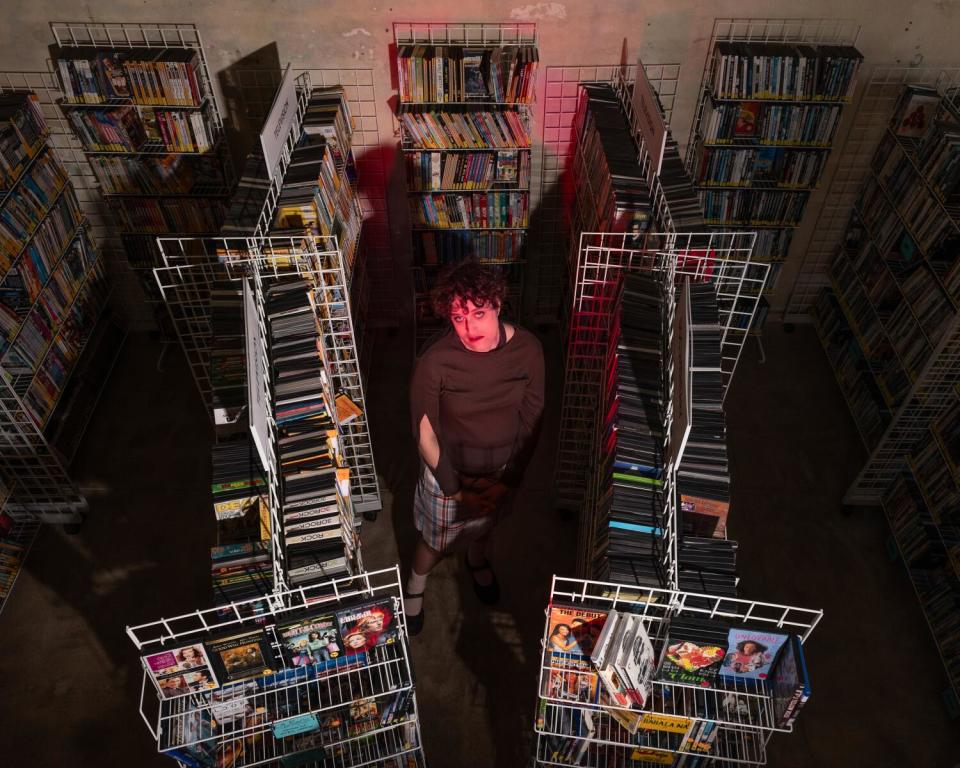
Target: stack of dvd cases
[
  {"x": 317, "y": 522},
  {"x": 609, "y": 166},
  {"x": 241, "y": 566},
  {"x": 707, "y": 560},
  {"x": 630, "y": 527}
]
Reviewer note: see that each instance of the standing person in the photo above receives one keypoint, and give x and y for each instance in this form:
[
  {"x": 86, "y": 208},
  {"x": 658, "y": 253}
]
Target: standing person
[{"x": 476, "y": 401}]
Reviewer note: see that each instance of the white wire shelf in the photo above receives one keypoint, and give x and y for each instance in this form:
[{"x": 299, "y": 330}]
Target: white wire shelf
[
  {"x": 190, "y": 625},
  {"x": 586, "y": 733},
  {"x": 386, "y": 673},
  {"x": 607, "y": 737},
  {"x": 478, "y": 34}
]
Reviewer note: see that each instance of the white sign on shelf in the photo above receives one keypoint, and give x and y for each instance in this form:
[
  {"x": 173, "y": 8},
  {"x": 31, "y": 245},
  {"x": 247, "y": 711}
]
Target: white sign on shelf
[
  {"x": 257, "y": 403},
  {"x": 649, "y": 118},
  {"x": 279, "y": 120}
]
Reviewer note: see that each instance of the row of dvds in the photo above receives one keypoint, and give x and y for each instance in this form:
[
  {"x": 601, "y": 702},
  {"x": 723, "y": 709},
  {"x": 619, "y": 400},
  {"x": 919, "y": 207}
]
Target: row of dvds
[
  {"x": 681, "y": 197},
  {"x": 249, "y": 197},
  {"x": 22, "y": 131},
  {"x": 895, "y": 237},
  {"x": 269, "y": 665},
  {"x": 167, "y": 215},
  {"x": 15, "y": 542},
  {"x": 477, "y": 210},
  {"x": 869, "y": 407},
  {"x": 450, "y": 130},
  {"x": 811, "y": 125},
  {"x": 237, "y": 480},
  {"x": 318, "y": 537},
  {"x": 886, "y": 356},
  {"x": 453, "y": 73},
  {"x": 65, "y": 298},
  {"x": 228, "y": 354},
  {"x": 932, "y": 556},
  {"x": 632, "y": 678},
  {"x": 26, "y": 279},
  {"x": 910, "y": 194},
  {"x": 328, "y": 115},
  {"x": 877, "y": 308},
  {"x": 607, "y": 167},
  {"x": 772, "y": 244},
  {"x": 184, "y": 131},
  {"x": 318, "y": 197},
  {"x": 126, "y": 130},
  {"x": 784, "y": 71},
  {"x": 55, "y": 363},
  {"x": 706, "y": 558},
  {"x": 25, "y": 206},
  {"x": 117, "y": 129},
  {"x": 429, "y": 171},
  {"x": 148, "y": 76},
  {"x": 937, "y": 478},
  {"x": 782, "y": 168},
  {"x": 629, "y": 536},
  {"x": 927, "y": 125},
  {"x": 167, "y": 175},
  {"x": 751, "y": 207},
  {"x": 934, "y": 465},
  {"x": 437, "y": 248},
  {"x": 241, "y": 563}
]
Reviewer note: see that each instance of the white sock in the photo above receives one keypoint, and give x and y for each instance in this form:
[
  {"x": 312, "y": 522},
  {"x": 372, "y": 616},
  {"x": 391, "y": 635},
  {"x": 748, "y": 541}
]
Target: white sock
[{"x": 415, "y": 585}]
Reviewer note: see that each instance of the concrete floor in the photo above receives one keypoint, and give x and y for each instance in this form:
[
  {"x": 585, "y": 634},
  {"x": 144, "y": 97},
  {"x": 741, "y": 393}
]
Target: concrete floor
[{"x": 71, "y": 679}]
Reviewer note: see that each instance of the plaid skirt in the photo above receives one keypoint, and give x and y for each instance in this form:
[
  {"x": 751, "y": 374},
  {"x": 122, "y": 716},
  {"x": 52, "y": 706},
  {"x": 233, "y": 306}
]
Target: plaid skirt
[{"x": 437, "y": 516}]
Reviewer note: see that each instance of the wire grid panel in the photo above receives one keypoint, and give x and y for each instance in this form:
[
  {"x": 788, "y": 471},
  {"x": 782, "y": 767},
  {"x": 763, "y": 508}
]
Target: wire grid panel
[
  {"x": 933, "y": 392},
  {"x": 599, "y": 738},
  {"x": 662, "y": 605},
  {"x": 319, "y": 258},
  {"x": 120, "y": 35},
  {"x": 870, "y": 120},
  {"x": 810, "y": 31},
  {"x": 188, "y": 627},
  {"x": 185, "y": 284},
  {"x": 137, "y": 35},
  {"x": 720, "y": 258},
  {"x": 595, "y": 737},
  {"x": 387, "y": 672},
  {"x": 553, "y": 160},
  {"x": 188, "y": 304},
  {"x": 465, "y": 33},
  {"x": 43, "y": 489},
  {"x": 256, "y": 88},
  {"x": 69, "y": 151}
]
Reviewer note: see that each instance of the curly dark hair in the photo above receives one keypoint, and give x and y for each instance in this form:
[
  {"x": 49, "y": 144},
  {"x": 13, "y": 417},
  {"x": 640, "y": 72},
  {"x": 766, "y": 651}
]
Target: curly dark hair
[{"x": 467, "y": 281}]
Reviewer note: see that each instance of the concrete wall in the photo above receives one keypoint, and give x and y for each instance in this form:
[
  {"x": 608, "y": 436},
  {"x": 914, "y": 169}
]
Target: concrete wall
[{"x": 358, "y": 34}]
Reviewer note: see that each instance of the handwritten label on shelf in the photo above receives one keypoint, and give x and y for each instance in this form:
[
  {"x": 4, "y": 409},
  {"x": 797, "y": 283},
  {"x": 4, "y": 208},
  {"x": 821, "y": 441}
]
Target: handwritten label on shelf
[
  {"x": 279, "y": 121},
  {"x": 294, "y": 725},
  {"x": 649, "y": 118}
]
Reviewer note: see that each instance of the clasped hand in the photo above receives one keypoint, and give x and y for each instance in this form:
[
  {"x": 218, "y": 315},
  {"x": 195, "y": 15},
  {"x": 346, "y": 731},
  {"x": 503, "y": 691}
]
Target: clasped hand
[{"x": 480, "y": 503}]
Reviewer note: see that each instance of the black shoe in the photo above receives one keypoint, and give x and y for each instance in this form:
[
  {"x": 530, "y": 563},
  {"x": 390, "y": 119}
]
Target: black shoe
[
  {"x": 414, "y": 622},
  {"x": 488, "y": 594}
]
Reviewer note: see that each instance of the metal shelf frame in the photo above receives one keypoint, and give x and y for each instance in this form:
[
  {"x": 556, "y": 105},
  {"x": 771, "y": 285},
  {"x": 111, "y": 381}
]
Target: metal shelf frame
[
  {"x": 124, "y": 35},
  {"x": 871, "y": 117},
  {"x": 478, "y": 34},
  {"x": 554, "y": 158},
  {"x": 44, "y": 490},
  {"x": 932, "y": 388},
  {"x": 387, "y": 672},
  {"x": 806, "y": 31},
  {"x": 739, "y": 740},
  {"x": 721, "y": 258}
]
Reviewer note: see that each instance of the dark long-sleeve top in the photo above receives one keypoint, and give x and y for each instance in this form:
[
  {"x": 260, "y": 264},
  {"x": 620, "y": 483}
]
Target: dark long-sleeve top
[{"x": 484, "y": 407}]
